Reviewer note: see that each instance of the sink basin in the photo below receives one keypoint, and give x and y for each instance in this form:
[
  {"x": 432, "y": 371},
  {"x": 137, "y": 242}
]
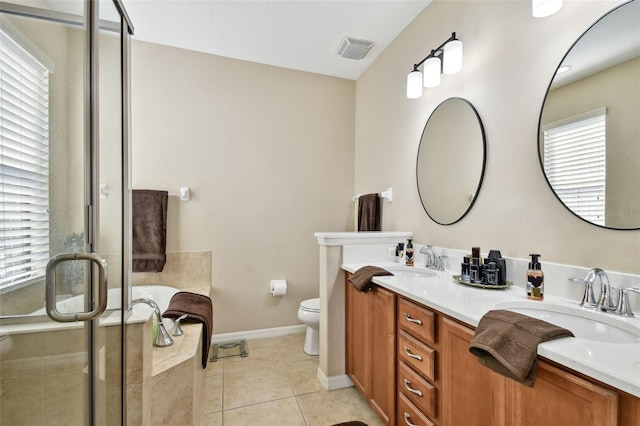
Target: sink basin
[
  {"x": 409, "y": 272},
  {"x": 584, "y": 323}
]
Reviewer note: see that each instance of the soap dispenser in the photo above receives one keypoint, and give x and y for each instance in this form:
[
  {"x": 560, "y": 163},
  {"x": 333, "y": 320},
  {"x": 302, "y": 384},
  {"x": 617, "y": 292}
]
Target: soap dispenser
[
  {"x": 535, "y": 279},
  {"x": 400, "y": 252},
  {"x": 409, "y": 252}
]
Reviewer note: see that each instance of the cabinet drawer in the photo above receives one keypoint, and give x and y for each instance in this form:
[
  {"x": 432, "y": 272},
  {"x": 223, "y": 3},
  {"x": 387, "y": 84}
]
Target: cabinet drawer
[
  {"x": 417, "y": 355},
  {"x": 409, "y": 415},
  {"x": 417, "y": 389},
  {"x": 417, "y": 320}
]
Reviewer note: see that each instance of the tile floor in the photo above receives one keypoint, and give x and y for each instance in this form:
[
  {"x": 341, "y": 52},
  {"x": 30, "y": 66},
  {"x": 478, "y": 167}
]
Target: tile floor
[{"x": 276, "y": 385}]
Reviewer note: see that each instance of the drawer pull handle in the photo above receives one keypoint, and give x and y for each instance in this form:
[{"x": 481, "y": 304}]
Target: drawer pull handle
[
  {"x": 406, "y": 419},
  {"x": 410, "y": 389},
  {"x": 415, "y": 321},
  {"x": 409, "y": 354}
]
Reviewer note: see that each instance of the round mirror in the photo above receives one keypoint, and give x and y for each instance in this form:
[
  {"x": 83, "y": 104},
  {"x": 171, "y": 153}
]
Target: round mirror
[
  {"x": 589, "y": 128},
  {"x": 451, "y": 159}
]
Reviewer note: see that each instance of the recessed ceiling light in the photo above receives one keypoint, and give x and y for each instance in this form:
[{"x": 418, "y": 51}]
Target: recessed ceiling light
[{"x": 563, "y": 69}]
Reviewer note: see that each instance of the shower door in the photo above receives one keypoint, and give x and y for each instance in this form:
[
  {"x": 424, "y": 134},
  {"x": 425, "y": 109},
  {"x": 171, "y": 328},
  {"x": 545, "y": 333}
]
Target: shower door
[{"x": 63, "y": 180}]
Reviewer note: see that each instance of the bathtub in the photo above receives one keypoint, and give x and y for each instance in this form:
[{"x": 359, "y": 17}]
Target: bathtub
[{"x": 38, "y": 321}]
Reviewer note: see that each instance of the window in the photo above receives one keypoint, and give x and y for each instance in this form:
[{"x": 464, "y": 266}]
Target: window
[
  {"x": 24, "y": 165},
  {"x": 574, "y": 162}
]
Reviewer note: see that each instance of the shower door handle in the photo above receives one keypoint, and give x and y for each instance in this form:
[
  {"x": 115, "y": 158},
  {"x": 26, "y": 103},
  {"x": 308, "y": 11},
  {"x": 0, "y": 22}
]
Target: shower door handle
[{"x": 50, "y": 277}]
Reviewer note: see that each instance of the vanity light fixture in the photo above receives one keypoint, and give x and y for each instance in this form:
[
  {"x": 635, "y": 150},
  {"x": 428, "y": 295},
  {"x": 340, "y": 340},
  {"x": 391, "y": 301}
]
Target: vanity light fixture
[
  {"x": 544, "y": 8},
  {"x": 445, "y": 58}
]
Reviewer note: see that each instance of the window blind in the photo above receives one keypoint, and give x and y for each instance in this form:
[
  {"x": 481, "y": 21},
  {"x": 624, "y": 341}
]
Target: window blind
[
  {"x": 24, "y": 165},
  {"x": 574, "y": 162}
]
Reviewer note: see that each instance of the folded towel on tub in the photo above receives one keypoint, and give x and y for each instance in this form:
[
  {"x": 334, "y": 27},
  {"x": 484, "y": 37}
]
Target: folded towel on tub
[{"x": 198, "y": 308}]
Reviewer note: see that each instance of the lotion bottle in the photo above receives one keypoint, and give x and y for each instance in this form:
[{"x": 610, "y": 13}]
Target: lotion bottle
[
  {"x": 535, "y": 279},
  {"x": 408, "y": 252}
]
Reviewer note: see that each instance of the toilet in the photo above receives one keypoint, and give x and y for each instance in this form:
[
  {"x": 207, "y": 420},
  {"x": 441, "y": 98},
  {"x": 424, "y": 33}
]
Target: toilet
[{"x": 309, "y": 313}]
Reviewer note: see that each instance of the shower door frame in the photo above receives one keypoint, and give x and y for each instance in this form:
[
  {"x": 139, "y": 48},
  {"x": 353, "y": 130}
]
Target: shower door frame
[{"x": 125, "y": 29}]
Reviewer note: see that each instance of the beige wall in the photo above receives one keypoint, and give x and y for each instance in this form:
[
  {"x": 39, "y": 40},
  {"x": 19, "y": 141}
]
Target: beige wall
[
  {"x": 509, "y": 59},
  {"x": 268, "y": 154}
]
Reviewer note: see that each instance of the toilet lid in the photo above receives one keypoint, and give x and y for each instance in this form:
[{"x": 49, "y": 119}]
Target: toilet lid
[{"x": 310, "y": 305}]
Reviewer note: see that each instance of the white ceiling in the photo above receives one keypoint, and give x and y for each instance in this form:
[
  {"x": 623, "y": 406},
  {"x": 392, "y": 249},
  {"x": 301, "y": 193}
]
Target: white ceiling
[
  {"x": 612, "y": 40},
  {"x": 298, "y": 34}
]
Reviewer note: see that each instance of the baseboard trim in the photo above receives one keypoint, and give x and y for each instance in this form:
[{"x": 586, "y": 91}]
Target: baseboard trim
[
  {"x": 334, "y": 382},
  {"x": 260, "y": 334}
]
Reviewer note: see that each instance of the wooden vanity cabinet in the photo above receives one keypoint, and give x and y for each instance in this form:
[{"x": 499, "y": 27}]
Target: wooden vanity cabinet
[
  {"x": 472, "y": 395},
  {"x": 370, "y": 347},
  {"x": 560, "y": 398},
  {"x": 417, "y": 364},
  {"x": 357, "y": 344},
  {"x": 413, "y": 366}
]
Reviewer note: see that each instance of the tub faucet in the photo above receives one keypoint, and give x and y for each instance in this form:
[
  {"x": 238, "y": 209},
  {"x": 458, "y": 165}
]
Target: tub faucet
[
  {"x": 162, "y": 338},
  {"x": 604, "y": 302}
]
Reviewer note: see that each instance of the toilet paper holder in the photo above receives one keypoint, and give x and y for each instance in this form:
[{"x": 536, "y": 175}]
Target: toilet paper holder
[{"x": 278, "y": 287}]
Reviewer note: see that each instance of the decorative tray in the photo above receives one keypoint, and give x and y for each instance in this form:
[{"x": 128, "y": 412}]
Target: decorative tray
[{"x": 489, "y": 286}]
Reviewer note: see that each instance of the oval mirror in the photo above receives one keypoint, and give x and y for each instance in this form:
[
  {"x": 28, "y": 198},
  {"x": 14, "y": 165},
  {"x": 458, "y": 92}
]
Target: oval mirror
[
  {"x": 589, "y": 128},
  {"x": 451, "y": 160}
]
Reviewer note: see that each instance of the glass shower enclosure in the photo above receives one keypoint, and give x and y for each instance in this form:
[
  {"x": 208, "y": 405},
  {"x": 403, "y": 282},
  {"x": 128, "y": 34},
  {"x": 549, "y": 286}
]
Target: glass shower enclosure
[{"x": 64, "y": 203}]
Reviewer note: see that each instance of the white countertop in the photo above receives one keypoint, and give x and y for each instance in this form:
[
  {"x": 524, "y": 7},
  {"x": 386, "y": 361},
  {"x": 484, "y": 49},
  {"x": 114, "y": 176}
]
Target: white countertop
[{"x": 615, "y": 364}]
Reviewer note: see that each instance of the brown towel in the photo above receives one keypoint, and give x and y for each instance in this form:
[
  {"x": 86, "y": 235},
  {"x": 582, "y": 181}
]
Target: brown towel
[
  {"x": 507, "y": 342},
  {"x": 369, "y": 215},
  {"x": 199, "y": 308},
  {"x": 149, "y": 229},
  {"x": 361, "y": 279}
]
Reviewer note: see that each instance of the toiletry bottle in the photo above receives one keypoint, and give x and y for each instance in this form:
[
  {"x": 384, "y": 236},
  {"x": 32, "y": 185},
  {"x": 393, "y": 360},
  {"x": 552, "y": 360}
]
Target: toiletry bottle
[
  {"x": 501, "y": 266},
  {"x": 409, "y": 253},
  {"x": 475, "y": 253},
  {"x": 535, "y": 279},
  {"x": 475, "y": 271},
  {"x": 465, "y": 268},
  {"x": 491, "y": 273},
  {"x": 400, "y": 251}
]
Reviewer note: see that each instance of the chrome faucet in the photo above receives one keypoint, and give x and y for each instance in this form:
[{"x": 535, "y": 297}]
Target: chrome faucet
[
  {"x": 623, "y": 307},
  {"x": 604, "y": 302},
  {"x": 440, "y": 263},
  {"x": 162, "y": 338},
  {"x": 177, "y": 330},
  {"x": 432, "y": 260},
  {"x": 430, "y": 256}
]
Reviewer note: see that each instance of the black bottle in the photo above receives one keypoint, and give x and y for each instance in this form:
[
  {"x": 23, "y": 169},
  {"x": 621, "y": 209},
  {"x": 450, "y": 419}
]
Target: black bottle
[{"x": 475, "y": 271}]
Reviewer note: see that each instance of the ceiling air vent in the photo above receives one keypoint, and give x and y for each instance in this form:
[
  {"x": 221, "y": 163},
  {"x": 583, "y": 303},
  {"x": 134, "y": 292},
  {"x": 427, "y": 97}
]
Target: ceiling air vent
[{"x": 352, "y": 48}]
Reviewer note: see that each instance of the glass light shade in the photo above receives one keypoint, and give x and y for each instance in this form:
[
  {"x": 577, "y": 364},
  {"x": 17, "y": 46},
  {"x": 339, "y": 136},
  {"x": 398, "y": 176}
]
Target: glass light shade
[
  {"x": 544, "y": 8},
  {"x": 414, "y": 84},
  {"x": 452, "y": 62},
  {"x": 432, "y": 72}
]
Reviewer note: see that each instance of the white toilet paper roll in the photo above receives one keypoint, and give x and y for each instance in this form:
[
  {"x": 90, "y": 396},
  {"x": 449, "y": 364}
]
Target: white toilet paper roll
[{"x": 278, "y": 287}]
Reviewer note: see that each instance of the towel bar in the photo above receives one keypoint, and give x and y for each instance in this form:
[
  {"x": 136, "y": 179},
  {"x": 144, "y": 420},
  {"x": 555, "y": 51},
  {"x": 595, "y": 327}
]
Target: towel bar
[
  {"x": 386, "y": 195},
  {"x": 184, "y": 194}
]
